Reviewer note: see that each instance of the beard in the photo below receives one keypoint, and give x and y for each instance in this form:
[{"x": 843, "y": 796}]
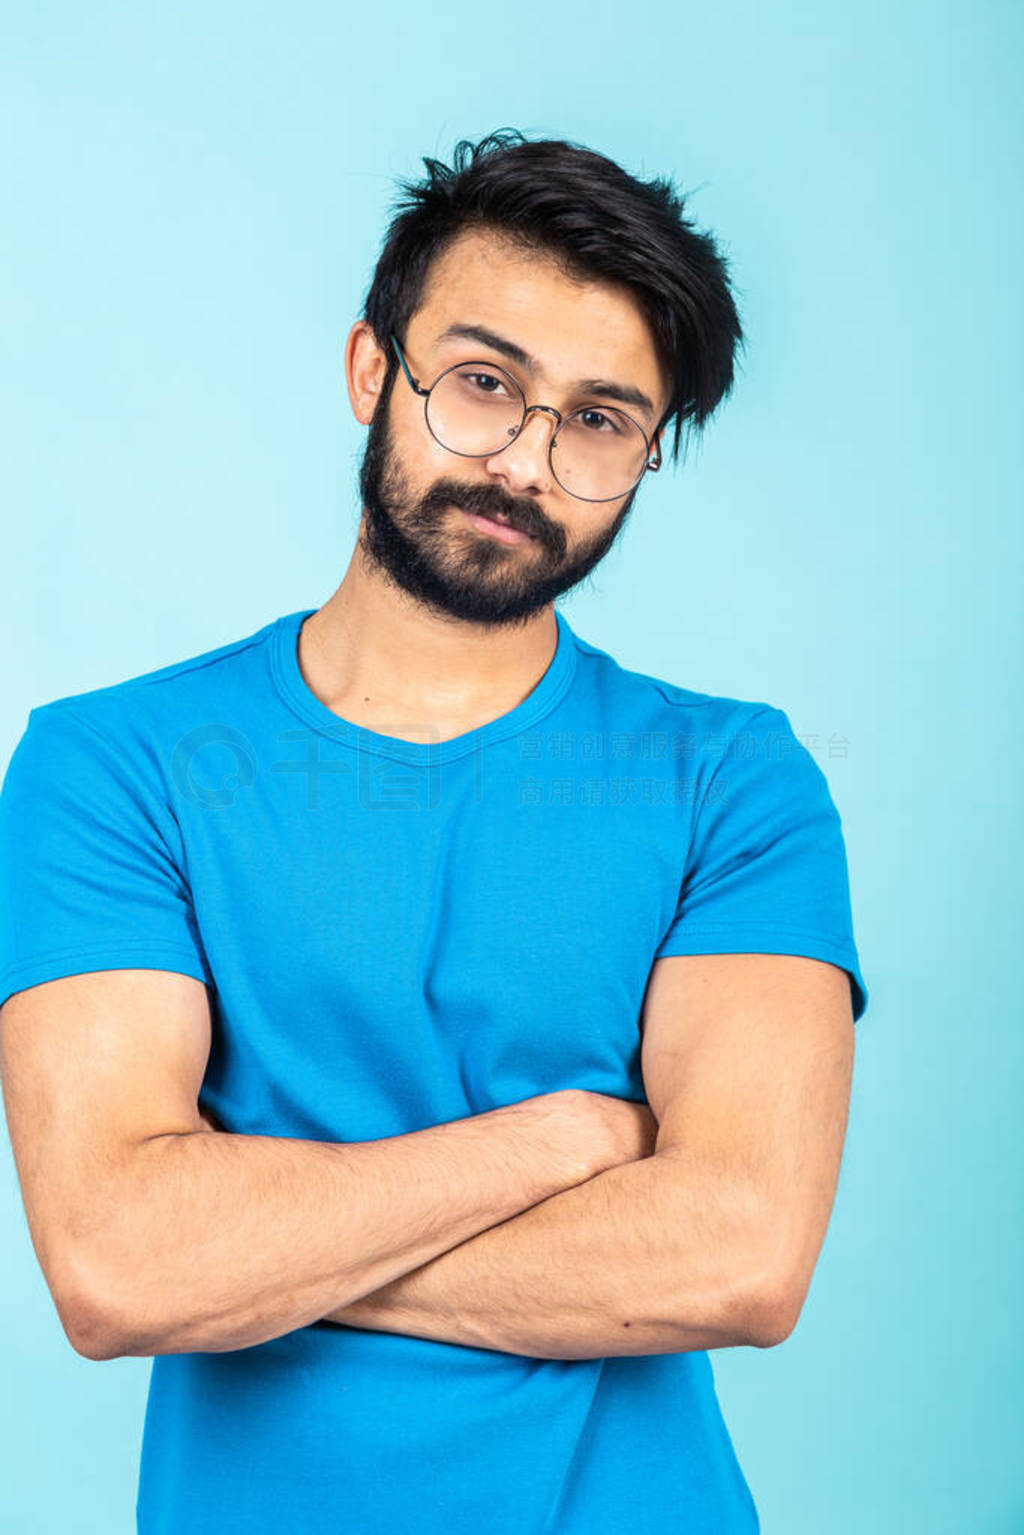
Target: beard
[{"x": 458, "y": 571}]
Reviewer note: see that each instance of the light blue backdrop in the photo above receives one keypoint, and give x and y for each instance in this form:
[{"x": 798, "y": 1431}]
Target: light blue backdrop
[{"x": 192, "y": 206}]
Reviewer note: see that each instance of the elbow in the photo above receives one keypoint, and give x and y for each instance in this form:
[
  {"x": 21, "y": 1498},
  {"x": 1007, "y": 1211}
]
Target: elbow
[
  {"x": 92, "y": 1340},
  {"x": 770, "y": 1317},
  {"x": 90, "y": 1331},
  {"x": 87, "y": 1314},
  {"x": 773, "y": 1295}
]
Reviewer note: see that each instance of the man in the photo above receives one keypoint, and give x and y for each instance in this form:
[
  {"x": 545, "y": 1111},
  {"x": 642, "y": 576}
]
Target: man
[{"x": 423, "y": 1036}]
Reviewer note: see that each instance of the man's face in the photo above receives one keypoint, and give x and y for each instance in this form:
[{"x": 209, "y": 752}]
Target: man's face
[{"x": 420, "y": 500}]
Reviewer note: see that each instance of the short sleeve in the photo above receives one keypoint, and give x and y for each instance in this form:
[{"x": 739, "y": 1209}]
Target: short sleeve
[
  {"x": 767, "y": 869},
  {"x": 90, "y": 859}
]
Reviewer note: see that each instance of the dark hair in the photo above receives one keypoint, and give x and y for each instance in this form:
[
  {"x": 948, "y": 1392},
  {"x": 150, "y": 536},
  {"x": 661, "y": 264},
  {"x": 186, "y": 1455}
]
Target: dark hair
[{"x": 598, "y": 222}]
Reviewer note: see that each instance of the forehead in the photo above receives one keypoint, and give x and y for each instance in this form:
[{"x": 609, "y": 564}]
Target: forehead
[{"x": 574, "y": 328}]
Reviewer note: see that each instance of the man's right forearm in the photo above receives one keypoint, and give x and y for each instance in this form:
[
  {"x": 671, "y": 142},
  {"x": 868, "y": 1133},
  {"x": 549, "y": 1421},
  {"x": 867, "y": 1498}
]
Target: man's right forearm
[{"x": 215, "y": 1242}]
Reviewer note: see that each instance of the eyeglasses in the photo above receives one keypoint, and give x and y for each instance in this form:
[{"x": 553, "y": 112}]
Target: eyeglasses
[{"x": 476, "y": 409}]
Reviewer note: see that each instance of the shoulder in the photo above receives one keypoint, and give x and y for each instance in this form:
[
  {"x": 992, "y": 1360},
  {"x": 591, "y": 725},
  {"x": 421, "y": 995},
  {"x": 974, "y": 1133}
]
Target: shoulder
[
  {"x": 178, "y": 683},
  {"x": 131, "y": 732},
  {"x": 714, "y": 723}
]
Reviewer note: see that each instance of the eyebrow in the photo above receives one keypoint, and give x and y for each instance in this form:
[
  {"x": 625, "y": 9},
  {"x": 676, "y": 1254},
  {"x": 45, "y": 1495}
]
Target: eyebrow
[{"x": 626, "y": 394}]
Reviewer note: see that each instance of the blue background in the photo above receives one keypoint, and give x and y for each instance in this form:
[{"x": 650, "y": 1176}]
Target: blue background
[{"x": 193, "y": 205}]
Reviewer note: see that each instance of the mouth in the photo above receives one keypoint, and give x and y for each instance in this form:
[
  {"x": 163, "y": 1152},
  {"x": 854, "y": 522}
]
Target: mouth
[{"x": 498, "y": 529}]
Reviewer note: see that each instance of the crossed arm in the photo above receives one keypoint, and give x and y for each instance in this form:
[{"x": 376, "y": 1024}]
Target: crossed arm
[
  {"x": 711, "y": 1241},
  {"x": 612, "y": 1238}
]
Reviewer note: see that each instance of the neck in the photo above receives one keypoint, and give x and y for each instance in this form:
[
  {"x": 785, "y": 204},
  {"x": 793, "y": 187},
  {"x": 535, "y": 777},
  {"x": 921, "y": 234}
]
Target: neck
[{"x": 371, "y": 651}]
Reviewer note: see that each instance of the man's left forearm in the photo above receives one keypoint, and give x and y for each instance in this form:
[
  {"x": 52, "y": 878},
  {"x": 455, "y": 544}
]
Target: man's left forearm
[{"x": 646, "y": 1258}]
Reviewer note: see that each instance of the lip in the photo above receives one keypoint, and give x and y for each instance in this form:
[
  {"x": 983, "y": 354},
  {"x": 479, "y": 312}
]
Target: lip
[{"x": 498, "y": 530}]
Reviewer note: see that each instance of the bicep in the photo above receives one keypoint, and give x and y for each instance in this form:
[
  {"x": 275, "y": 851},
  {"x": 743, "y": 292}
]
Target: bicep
[
  {"x": 747, "y": 1062},
  {"x": 93, "y": 1064}
]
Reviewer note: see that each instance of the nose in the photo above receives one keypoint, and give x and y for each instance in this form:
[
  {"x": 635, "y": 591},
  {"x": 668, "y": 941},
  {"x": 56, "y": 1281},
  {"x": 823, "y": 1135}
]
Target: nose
[{"x": 525, "y": 465}]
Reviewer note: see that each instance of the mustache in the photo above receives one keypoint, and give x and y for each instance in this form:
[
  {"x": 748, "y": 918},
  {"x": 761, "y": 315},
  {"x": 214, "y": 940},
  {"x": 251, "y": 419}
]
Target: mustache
[{"x": 487, "y": 501}]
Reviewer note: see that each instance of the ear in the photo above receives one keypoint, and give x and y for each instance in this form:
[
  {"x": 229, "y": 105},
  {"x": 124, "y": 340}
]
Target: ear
[{"x": 365, "y": 370}]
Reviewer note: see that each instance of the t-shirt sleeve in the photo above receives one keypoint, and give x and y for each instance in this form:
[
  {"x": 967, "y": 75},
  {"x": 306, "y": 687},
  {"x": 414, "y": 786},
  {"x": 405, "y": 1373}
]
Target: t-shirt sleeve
[
  {"x": 91, "y": 861},
  {"x": 767, "y": 869}
]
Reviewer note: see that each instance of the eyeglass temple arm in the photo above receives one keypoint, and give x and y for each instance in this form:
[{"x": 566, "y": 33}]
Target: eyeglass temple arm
[
  {"x": 414, "y": 383},
  {"x": 656, "y": 448}
]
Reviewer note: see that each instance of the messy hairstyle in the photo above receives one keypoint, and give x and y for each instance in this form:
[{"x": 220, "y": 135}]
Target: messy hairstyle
[{"x": 599, "y": 223}]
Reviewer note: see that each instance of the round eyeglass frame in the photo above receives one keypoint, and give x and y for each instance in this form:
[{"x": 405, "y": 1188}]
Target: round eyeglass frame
[{"x": 415, "y": 384}]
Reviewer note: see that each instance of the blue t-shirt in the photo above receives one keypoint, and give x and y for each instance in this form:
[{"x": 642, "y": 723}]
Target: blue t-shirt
[{"x": 396, "y": 934}]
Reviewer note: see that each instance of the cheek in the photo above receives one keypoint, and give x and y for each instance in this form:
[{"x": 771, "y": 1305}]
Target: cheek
[
  {"x": 591, "y": 526},
  {"x": 421, "y": 459}
]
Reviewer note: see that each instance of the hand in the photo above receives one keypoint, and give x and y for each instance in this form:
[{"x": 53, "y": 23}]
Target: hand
[
  {"x": 629, "y": 1130},
  {"x": 604, "y": 1130}
]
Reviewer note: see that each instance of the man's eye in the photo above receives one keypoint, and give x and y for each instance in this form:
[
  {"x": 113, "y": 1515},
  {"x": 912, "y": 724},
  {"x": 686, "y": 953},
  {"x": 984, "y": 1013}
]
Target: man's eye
[
  {"x": 485, "y": 382},
  {"x": 588, "y": 417}
]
